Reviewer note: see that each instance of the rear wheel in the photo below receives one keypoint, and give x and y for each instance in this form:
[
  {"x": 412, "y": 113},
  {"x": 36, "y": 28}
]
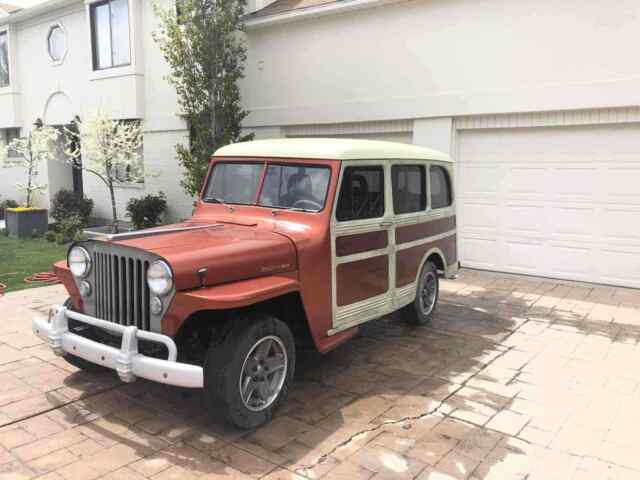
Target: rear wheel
[
  {"x": 421, "y": 310},
  {"x": 249, "y": 371}
]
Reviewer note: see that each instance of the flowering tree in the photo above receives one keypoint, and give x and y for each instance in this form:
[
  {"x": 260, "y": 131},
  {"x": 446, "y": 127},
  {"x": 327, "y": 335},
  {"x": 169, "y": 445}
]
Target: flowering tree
[
  {"x": 106, "y": 148},
  {"x": 28, "y": 153}
]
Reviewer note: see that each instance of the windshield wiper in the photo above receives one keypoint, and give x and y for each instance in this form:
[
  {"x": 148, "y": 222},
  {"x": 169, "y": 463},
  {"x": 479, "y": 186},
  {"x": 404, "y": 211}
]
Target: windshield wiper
[{"x": 221, "y": 202}]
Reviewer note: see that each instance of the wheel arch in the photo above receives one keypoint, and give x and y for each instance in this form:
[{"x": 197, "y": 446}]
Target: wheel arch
[
  {"x": 287, "y": 307},
  {"x": 438, "y": 258}
]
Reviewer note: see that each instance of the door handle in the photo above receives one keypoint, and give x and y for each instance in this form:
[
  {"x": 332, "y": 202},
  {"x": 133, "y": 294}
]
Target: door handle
[{"x": 386, "y": 224}]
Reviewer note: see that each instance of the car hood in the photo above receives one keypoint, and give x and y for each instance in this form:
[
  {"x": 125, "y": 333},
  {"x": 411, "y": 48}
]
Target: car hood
[{"x": 228, "y": 252}]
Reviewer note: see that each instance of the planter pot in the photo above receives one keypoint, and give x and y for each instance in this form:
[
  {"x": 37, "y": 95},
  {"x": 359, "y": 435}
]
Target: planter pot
[{"x": 26, "y": 222}]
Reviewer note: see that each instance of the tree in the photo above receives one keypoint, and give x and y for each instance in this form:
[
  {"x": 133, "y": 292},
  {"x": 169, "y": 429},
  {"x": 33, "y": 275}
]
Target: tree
[
  {"x": 107, "y": 148},
  {"x": 204, "y": 46},
  {"x": 28, "y": 152}
]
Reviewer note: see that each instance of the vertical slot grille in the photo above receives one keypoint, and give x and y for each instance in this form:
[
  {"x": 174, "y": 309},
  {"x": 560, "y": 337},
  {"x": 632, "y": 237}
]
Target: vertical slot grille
[{"x": 122, "y": 294}]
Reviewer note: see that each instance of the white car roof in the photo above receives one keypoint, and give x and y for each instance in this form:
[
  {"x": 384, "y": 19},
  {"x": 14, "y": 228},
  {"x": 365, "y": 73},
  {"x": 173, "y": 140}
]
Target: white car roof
[{"x": 330, "y": 149}]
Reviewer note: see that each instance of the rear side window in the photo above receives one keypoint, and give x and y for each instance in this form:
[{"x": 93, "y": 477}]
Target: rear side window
[
  {"x": 409, "y": 188},
  {"x": 361, "y": 194},
  {"x": 440, "y": 186}
]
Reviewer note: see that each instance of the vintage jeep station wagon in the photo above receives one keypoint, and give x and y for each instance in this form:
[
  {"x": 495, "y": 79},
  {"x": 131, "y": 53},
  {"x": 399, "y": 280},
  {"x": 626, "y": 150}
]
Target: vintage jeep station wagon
[{"x": 292, "y": 242}]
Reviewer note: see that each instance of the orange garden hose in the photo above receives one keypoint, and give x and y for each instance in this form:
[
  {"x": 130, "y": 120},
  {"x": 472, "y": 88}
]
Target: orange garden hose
[{"x": 49, "y": 278}]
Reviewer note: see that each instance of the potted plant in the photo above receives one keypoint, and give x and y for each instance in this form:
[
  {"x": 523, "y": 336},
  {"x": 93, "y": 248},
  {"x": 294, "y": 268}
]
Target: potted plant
[{"x": 28, "y": 152}]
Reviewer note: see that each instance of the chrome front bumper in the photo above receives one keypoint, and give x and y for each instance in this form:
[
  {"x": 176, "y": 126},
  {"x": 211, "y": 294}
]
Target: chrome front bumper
[{"x": 126, "y": 361}]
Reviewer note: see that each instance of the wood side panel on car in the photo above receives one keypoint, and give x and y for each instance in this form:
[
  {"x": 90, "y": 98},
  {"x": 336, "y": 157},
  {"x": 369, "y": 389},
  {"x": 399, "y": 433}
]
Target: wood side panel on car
[
  {"x": 361, "y": 242},
  {"x": 419, "y": 231},
  {"x": 408, "y": 260},
  {"x": 362, "y": 279}
]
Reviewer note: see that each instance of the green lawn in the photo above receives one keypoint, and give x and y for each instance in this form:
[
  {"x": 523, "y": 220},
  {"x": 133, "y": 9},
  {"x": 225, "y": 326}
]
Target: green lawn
[{"x": 21, "y": 258}]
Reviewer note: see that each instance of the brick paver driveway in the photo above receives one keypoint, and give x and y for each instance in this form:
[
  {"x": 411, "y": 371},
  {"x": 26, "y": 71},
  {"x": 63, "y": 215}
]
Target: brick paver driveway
[{"x": 516, "y": 378}]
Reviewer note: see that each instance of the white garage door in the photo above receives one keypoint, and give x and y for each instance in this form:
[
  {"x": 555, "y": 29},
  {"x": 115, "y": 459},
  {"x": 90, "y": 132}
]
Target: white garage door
[{"x": 561, "y": 202}]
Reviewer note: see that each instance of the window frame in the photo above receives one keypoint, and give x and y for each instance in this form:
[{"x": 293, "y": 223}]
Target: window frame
[
  {"x": 424, "y": 167},
  {"x": 5, "y": 33},
  {"x": 447, "y": 175},
  {"x": 60, "y": 27},
  {"x": 265, "y": 164},
  {"x": 287, "y": 164},
  {"x": 94, "y": 38},
  {"x": 383, "y": 167}
]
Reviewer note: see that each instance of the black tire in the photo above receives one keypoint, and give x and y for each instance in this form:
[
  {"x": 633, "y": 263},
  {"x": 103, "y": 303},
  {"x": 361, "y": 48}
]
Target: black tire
[
  {"x": 421, "y": 311},
  {"x": 225, "y": 370},
  {"x": 78, "y": 362}
]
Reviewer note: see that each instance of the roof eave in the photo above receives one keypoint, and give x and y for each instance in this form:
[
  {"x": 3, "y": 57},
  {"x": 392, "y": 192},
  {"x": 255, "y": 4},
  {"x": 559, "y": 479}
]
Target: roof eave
[
  {"x": 314, "y": 12},
  {"x": 36, "y": 10}
]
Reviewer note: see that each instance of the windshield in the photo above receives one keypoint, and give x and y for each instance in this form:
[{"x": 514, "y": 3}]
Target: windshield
[
  {"x": 296, "y": 187},
  {"x": 234, "y": 183}
]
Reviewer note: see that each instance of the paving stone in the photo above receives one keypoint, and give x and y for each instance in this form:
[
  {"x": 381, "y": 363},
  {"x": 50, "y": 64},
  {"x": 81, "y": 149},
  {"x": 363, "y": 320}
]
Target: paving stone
[{"x": 520, "y": 377}]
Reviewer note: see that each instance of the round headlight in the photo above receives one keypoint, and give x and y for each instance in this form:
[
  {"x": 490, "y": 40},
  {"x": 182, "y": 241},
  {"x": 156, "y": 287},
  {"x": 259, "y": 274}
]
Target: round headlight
[
  {"x": 79, "y": 262},
  {"x": 159, "y": 278}
]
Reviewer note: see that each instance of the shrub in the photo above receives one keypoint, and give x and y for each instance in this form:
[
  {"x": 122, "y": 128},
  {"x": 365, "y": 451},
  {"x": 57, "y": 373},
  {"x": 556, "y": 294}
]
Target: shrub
[
  {"x": 67, "y": 203},
  {"x": 50, "y": 236},
  {"x": 146, "y": 212},
  {"x": 7, "y": 204},
  {"x": 69, "y": 229}
]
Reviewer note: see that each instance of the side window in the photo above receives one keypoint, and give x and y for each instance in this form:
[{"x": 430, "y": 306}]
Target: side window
[
  {"x": 409, "y": 187},
  {"x": 440, "y": 185},
  {"x": 361, "y": 194}
]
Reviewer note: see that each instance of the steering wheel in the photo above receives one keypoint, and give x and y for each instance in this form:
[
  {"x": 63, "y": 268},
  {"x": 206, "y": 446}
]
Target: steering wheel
[{"x": 305, "y": 203}]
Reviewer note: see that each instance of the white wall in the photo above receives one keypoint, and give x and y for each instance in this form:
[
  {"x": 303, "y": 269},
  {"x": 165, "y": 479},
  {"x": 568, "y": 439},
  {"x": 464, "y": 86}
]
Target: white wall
[
  {"x": 428, "y": 58},
  {"x": 56, "y": 93},
  {"x": 163, "y": 129}
]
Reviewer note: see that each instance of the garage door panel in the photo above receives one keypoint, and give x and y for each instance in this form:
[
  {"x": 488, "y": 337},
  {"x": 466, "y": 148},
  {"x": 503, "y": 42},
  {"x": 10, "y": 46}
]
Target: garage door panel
[
  {"x": 569, "y": 260},
  {"x": 573, "y": 183},
  {"x": 574, "y": 221},
  {"x": 474, "y": 249},
  {"x": 480, "y": 216},
  {"x": 524, "y": 218},
  {"x": 522, "y": 180},
  {"x": 561, "y": 202},
  {"x": 621, "y": 267},
  {"x": 523, "y": 256},
  {"x": 479, "y": 180},
  {"x": 621, "y": 224},
  {"x": 623, "y": 184}
]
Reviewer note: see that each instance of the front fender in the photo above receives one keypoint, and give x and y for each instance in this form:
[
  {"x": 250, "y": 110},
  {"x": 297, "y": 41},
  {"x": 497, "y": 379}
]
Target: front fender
[{"x": 226, "y": 296}]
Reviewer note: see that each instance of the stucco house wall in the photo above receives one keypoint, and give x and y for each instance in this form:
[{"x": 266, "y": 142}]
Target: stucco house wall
[
  {"x": 536, "y": 102},
  {"x": 438, "y": 58},
  {"x": 57, "y": 91}
]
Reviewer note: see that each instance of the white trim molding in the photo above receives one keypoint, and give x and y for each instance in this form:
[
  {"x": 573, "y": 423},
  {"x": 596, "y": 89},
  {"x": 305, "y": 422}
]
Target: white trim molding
[
  {"x": 329, "y": 8},
  {"x": 354, "y": 128},
  {"x": 550, "y": 118}
]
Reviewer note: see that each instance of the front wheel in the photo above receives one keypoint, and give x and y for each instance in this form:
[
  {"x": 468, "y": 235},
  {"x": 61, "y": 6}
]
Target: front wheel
[
  {"x": 421, "y": 310},
  {"x": 248, "y": 372}
]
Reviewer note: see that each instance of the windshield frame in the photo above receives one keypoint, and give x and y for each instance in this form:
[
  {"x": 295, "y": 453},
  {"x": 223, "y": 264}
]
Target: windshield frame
[{"x": 312, "y": 163}]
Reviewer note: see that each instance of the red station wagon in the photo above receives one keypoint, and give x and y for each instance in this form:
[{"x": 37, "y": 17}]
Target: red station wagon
[{"x": 293, "y": 241}]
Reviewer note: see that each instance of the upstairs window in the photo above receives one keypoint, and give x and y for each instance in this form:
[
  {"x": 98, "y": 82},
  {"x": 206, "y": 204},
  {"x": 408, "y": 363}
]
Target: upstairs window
[
  {"x": 57, "y": 43},
  {"x": 110, "y": 34},
  {"x": 4, "y": 60},
  {"x": 440, "y": 187},
  {"x": 361, "y": 194},
  {"x": 409, "y": 188}
]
